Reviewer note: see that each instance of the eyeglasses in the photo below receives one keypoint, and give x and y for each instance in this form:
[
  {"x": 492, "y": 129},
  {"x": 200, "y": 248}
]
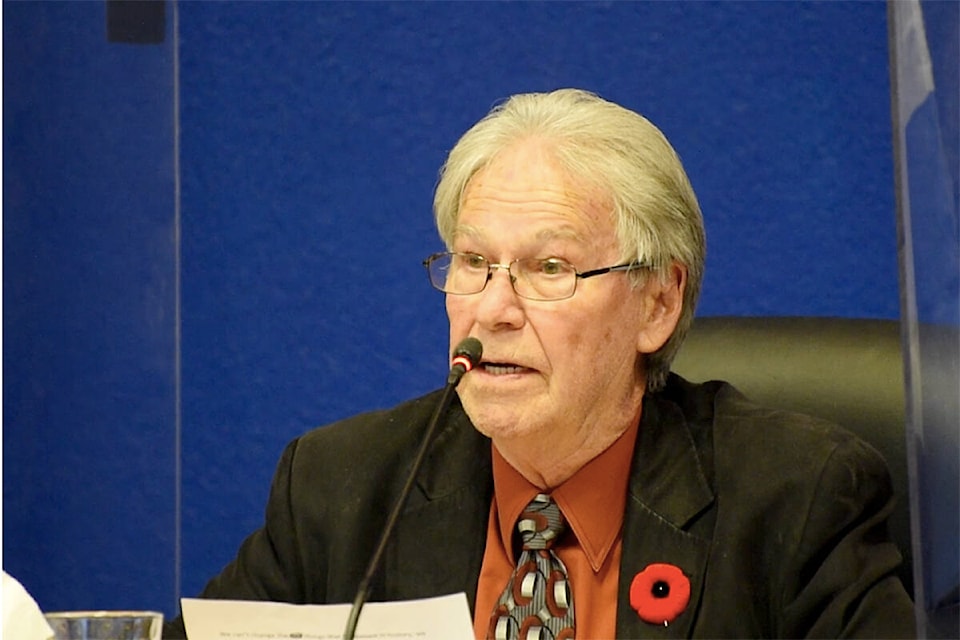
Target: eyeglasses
[{"x": 541, "y": 279}]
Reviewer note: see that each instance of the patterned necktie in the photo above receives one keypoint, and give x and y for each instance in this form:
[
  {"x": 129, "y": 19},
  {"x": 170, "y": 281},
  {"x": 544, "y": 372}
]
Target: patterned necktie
[{"x": 537, "y": 603}]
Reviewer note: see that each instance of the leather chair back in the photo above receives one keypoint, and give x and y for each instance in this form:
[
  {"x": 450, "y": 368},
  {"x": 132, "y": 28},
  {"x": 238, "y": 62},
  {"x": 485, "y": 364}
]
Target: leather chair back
[{"x": 848, "y": 371}]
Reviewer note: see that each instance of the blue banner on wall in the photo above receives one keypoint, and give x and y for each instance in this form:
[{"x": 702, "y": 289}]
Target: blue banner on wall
[{"x": 924, "y": 54}]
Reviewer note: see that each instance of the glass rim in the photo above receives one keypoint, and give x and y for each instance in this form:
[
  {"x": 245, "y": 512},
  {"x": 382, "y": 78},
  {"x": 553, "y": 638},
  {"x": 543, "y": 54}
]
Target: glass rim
[{"x": 102, "y": 613}]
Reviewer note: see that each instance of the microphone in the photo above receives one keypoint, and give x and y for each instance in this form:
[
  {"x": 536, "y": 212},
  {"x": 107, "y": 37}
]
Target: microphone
[{"x": 465, "y": 357}]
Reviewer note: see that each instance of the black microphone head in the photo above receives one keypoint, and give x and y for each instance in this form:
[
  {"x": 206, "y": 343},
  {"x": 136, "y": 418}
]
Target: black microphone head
[
  {"x": 465, "y": 357},
  {"x": 469, "y": 348}
]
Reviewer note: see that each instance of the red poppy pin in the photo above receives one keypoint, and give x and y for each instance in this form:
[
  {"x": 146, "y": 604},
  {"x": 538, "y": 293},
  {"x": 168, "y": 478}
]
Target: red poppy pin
[{"x": 660, "y": 593}]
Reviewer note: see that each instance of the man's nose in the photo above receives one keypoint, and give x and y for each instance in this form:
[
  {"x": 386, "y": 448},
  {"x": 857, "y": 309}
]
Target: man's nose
[{"x": 499, "y": 303}]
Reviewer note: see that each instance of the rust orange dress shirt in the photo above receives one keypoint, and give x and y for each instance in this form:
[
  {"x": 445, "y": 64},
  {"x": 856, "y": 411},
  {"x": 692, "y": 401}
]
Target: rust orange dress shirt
[{"x": 592, "y": 501}]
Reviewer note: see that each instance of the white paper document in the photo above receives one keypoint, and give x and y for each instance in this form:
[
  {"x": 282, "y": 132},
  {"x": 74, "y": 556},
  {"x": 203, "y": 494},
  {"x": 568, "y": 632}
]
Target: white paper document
[{"x": 441, "y": 618}]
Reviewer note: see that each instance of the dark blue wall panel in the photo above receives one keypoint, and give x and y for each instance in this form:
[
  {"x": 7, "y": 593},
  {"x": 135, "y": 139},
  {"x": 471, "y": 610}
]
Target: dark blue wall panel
[{"x": 89, "y": 487}]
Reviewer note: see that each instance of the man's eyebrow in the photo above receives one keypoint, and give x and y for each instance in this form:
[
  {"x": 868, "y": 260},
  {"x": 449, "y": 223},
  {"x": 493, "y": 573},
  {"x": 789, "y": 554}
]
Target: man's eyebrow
[{"x": 559, "y": 233}]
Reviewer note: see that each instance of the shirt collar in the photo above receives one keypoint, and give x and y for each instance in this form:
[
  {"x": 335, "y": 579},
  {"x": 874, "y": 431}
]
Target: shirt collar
[{"x": 592, "y": 500}]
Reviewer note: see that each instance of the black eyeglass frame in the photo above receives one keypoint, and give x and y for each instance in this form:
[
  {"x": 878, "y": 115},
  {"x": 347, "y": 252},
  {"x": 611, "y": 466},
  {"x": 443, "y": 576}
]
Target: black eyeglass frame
[{"x": 626, "y": 266}]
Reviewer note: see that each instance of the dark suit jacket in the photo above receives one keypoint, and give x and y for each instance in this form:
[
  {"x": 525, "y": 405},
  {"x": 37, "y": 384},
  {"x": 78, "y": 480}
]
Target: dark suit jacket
[{"x": 778, "y": 519}]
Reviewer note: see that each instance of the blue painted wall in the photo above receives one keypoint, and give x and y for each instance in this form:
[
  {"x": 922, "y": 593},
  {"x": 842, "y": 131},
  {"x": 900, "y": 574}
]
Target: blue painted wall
[{"x": 311, "y": 135}]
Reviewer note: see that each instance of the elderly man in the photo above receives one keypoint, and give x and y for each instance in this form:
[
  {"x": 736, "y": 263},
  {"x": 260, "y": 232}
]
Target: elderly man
[{"x": 578, "y": 488}]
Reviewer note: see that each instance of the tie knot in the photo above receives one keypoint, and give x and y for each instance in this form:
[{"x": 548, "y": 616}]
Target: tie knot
[{"x": 541, "y": 523}]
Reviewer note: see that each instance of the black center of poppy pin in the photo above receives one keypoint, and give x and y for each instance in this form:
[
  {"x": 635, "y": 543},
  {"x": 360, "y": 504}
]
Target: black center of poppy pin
[{"x": 660, "y": 589}]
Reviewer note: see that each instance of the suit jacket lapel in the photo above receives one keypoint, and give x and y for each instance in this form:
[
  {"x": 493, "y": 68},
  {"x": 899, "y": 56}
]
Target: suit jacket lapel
[
  {"x": 668, "y": 490},
  {"x": 440, "y": 537}
]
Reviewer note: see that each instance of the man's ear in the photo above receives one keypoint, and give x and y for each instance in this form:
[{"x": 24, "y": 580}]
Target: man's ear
[{"x": 663, "y": 303}]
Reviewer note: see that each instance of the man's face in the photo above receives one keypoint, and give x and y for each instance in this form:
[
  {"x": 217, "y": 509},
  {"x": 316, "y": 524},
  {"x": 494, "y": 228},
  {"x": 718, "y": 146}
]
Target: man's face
[{"x": 566, "y": 369}]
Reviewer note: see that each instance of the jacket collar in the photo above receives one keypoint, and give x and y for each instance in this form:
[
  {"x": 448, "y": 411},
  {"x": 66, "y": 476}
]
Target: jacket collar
[
  {"x": 440, "y": 537},
  {"x": 668, "y": 493}
]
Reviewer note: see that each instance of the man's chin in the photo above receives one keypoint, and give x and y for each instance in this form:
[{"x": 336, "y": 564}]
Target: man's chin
[{"x": 499, "y": 422}]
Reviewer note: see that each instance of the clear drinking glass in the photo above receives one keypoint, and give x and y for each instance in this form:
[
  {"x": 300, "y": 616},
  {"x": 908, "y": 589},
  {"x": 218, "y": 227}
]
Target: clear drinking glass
[{"x": 105, "y": 625}]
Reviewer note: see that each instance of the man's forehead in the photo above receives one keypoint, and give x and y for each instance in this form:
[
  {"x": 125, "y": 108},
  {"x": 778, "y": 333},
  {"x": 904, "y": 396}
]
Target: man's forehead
[{"x": 561, "y": 231}]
